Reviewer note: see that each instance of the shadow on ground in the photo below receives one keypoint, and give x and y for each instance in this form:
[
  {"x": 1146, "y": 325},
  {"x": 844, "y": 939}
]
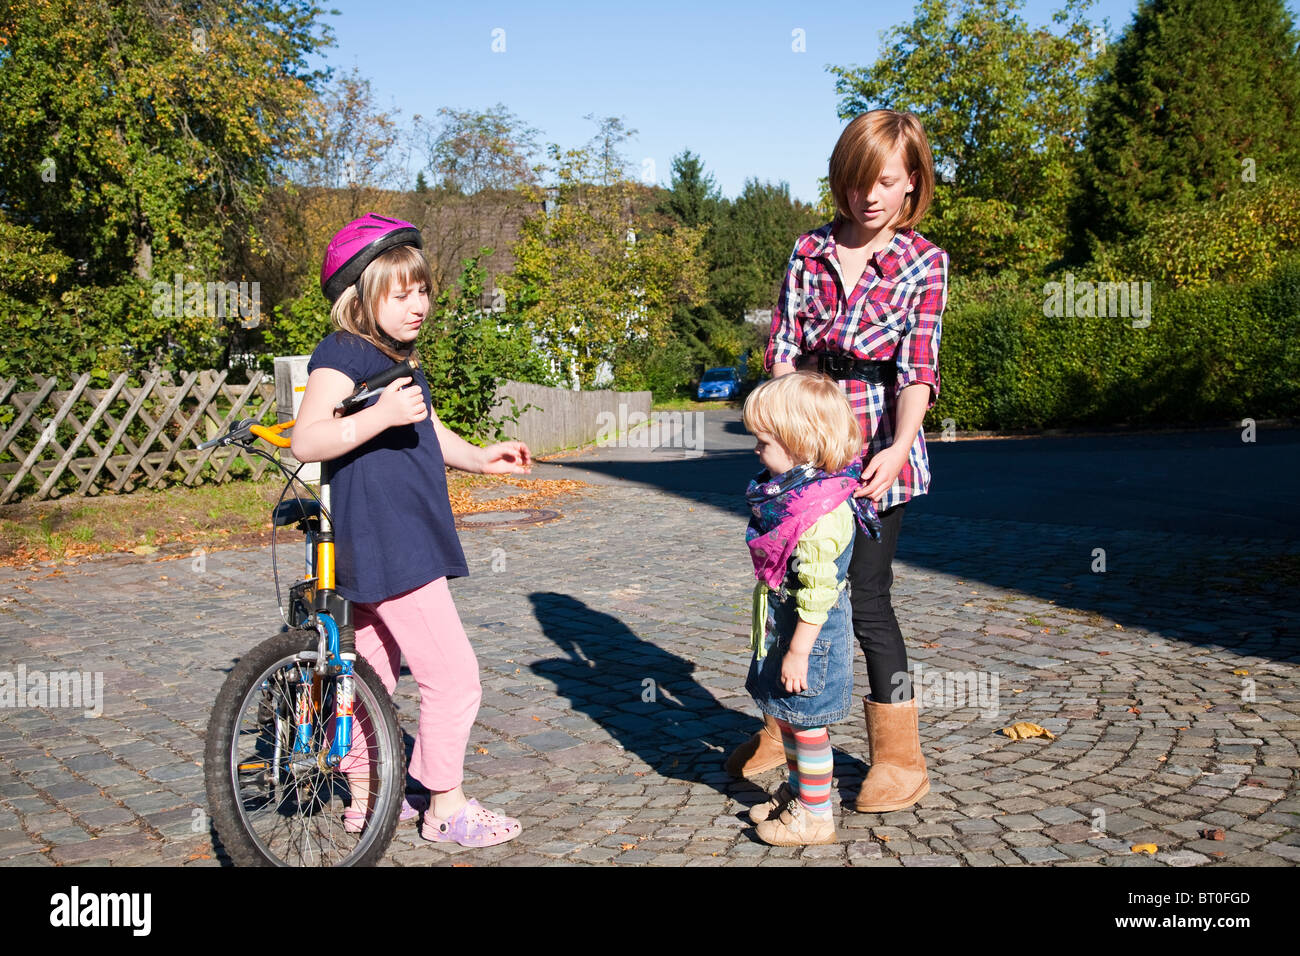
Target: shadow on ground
[
  {"x": 1187, "y": 549},
  {"x": 644, "y": 697}
]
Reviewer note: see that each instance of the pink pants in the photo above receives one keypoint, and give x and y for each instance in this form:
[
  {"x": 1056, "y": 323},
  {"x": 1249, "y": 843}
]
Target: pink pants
[{"x": 422, "y": 625}]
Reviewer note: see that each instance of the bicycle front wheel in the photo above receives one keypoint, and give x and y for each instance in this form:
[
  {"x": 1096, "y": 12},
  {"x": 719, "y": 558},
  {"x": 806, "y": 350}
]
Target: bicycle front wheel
[{"x": 274, "y": 799}]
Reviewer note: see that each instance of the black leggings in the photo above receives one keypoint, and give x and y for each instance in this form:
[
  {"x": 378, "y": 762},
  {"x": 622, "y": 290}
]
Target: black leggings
[{"x": 871, "y": 575}]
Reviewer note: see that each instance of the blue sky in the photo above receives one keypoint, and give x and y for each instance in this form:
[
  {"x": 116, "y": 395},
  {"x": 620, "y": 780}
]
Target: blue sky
[{"x": 720, "y": 78}]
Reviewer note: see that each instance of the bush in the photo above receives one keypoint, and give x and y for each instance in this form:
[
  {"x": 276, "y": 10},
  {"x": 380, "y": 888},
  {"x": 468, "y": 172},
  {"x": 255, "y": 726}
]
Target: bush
[
  {"x": 466, "y": 352},
  {"x": 1242, "y": 236},
  {"x": 1222, "y": 352},
  {"x": 666, "y": 369}
]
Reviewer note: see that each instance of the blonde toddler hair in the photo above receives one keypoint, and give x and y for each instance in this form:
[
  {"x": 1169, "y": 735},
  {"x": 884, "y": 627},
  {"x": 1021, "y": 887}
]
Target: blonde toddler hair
[{"x": 808, "y": 414}]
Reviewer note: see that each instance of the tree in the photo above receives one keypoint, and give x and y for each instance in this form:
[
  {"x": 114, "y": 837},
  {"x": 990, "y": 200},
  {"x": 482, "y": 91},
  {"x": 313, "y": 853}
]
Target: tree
[
  {"x": 1003, "y": 105},
  {"x": 693, "y": 196},
  {"x": 469, "y": 151},
  {"x": 590, "y": 277},
  {"x": 1202, "y": 98},
  {"x": 139, "y": 131},
  {"x": 351, "y": 142},
  {"x": 750, "y": 244},
  {"x": 604, "y": 147}
]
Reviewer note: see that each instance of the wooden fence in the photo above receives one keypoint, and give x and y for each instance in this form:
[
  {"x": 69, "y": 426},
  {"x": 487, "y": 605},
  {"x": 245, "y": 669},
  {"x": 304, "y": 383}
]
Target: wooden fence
[
  {"x": 88, "y": 441},
  {"x": 144, "y": 434}
]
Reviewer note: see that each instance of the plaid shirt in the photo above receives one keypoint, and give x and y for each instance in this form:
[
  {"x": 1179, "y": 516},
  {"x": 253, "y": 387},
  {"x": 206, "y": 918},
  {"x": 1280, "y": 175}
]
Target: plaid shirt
[{"x": 893, "y": 313}]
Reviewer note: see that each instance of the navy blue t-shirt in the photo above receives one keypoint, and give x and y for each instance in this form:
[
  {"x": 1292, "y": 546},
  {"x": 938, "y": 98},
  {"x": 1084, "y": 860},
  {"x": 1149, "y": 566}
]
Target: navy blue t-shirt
[{"x": 393, "y": 527}]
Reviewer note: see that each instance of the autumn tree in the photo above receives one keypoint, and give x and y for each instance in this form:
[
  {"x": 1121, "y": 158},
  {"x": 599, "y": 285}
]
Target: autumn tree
[
  {"x": 589, "y": 277},
  {"x": 138, "y": 131},
  {"x": 140, "y": 140}
]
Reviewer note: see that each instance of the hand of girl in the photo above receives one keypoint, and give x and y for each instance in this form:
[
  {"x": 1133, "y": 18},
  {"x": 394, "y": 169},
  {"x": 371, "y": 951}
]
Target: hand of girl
[
  {"x": 881, "y": 472},
  {"x": 507, "y": 458},
  {"x": 794, "y": 672},
  {"x": 401, "y": 405}
]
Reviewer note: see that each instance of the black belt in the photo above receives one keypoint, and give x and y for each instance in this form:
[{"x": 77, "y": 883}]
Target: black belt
[{"x": 840, "y": 367}]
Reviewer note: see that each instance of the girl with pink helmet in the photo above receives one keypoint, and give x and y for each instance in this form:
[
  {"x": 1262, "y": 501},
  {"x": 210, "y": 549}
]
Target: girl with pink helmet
[{"x": 395, "y": 537}]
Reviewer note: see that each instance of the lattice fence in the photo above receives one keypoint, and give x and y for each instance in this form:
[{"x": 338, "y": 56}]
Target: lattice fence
[{"x": 89, "y": 441}]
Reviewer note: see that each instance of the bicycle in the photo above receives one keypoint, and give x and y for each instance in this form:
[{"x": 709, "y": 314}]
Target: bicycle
[{"x": 304, "y": 763}]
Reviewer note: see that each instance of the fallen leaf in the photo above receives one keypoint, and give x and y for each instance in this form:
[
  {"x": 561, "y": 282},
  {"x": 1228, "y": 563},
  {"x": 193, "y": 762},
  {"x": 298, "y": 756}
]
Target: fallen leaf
[
  {"x": 1161, "y": 759},
  {"x": 1135, "y": 710},
  {"x": 1102, "y": 653},
  {"x": 883, "y": 837},
  {"x": 1119, "y": 627},
  {"x": 537, "y": 718},
  {"x": 627, "y": 846},
  {"x": 1023, "y": 730},
  {"x": 480, "y": 750},
  {"x": 1213, "y": 833},
  {"x": 462, "y": 864},
  {"x": 1241, "y": 672},
  {"x": 1149, "y": 848},
  {"x": 931, "y": 644},
  {"x": 143, "y": 549},
  {"x": 1017, "y": 690}
]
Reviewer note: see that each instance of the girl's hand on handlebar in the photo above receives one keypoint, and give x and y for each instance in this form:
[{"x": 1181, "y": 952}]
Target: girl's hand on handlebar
[{"x": 401, "y": 405}]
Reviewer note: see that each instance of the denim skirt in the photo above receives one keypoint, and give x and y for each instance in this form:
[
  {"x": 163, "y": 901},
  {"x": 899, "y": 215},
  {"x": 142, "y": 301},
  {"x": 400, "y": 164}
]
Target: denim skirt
[{"x": 829, "y": 696}]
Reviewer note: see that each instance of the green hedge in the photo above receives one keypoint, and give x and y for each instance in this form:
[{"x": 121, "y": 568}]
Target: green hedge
[{"x": 1213, "y": 353}]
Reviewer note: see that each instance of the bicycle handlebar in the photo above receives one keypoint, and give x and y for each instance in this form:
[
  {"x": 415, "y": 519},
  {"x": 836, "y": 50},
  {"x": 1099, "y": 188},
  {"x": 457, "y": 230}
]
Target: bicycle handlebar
[
  {"x": 376, "y": 384},
  {"x": 246, "y": 429}
]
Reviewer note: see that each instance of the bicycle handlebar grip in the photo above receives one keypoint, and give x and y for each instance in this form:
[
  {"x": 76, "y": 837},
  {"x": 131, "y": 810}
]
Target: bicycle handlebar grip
[
  {"x": 270, "y": 434},
  {"x": 379, "y": 382}
]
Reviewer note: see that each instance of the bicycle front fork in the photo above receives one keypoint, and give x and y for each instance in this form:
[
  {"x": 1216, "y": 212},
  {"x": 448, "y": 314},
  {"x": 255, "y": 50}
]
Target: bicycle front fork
[{"x": 308, "y": 704}]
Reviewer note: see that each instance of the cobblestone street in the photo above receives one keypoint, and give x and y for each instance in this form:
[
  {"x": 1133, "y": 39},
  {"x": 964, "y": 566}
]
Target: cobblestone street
[{"x": 613, "y": 646}]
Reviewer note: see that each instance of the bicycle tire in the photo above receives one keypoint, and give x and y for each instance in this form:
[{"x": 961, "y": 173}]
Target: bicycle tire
[{"x": 274, "y": 812}]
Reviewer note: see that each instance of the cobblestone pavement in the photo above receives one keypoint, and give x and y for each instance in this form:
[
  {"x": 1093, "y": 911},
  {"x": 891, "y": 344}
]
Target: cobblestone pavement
[{"x": 612, "y": 646}]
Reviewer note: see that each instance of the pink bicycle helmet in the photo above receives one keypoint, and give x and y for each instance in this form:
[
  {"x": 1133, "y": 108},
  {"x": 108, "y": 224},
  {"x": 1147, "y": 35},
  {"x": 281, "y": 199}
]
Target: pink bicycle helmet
[{"x": 357, "y": 244}]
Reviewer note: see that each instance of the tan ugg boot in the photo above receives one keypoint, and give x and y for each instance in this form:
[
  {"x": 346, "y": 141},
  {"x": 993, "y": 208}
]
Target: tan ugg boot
[
  {"x": 897, "y": 778},
  {"x": 761, "y": 752}
]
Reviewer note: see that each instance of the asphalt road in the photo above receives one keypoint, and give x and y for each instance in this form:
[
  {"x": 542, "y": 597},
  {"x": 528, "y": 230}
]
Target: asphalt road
[{"x": 1202, "y": 482}]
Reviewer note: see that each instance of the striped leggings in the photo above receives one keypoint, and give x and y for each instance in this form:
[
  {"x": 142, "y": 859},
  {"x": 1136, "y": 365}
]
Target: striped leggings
[{"x": 808, "y": 757}]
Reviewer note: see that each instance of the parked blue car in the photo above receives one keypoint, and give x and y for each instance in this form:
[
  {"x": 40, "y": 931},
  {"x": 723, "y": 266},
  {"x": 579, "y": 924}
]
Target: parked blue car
[{"x": 721, "y": 382}]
